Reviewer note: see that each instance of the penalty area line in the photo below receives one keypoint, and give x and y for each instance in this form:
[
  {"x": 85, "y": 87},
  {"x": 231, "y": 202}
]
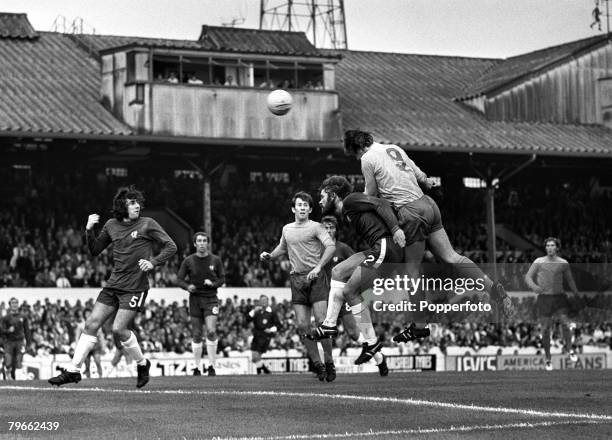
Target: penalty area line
[
  {"x": 399, "y": 432},
  {"x": 391, "y": 400}
]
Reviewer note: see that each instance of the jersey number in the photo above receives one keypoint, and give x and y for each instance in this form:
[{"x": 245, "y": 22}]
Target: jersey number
[{"x": 398, "y": 159}]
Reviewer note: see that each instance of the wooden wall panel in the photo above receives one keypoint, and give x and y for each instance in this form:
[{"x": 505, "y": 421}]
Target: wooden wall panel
[
  {"x": 224, "y": 112},
  {"x": 566, "y": 94}
]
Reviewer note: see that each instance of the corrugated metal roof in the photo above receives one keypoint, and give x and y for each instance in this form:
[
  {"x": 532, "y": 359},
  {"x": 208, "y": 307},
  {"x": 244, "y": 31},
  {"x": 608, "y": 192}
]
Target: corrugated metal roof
[
  {"x": 16, "y": 26},
  {"x": 220, "y": 39},
  {"x": 52, "y": 86},
  {"x": 49, "y": 85},
  {"x": 408, "y": 100},
  {"x": 258, "y": 41},
  {"x": 509, "y": 71}
]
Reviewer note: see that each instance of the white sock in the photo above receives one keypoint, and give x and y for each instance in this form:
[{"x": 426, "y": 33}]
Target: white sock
[
  {"x": 360, "y": 339},
  {"x": 378, "y": 358},
  {"x": 259, "y": 364},
  {"x": 84, "y": 346},
  {"x": 366, "y": 327},
  {"x": 334, "y": 303},
  {"x": 197, "y": 348},
  {"x": 211, "y": 351},
  {"x": 132, "y": 348}
]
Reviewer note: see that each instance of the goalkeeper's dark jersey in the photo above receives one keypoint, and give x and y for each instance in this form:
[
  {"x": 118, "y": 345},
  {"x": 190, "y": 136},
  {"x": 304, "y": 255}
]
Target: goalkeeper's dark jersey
[
  {"x": 132, "y": 241},
  {"x": 371, "y": 217}
]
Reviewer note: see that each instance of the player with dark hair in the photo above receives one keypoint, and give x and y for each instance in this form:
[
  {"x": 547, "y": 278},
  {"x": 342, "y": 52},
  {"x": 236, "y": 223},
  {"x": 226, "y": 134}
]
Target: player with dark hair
[
  {"x": 343, "y": 252},
  {"x": 265, "y": 324},
  {"x": 132, "y": 237},
  {"x": 309, "y": 248},
  {"x": 205, "y": 274},
  {"x": 373, "y": 221},
  {"x": 389, "y": 173},
  {"x": 16, "y": 330},
  {"x": 545, "y": 277}
]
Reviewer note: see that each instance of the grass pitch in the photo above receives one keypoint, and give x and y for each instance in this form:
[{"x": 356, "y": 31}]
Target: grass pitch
[{"x": 567, "y": 404}]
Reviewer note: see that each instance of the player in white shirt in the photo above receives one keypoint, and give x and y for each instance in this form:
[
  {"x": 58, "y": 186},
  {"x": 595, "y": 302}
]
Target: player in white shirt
[{"x": 392, "y": 175}]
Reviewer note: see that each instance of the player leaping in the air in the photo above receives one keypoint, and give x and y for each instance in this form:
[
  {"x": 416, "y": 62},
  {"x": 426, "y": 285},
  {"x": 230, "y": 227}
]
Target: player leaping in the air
[
  {"x": 374, "y": 221},
  {"x": 132, "y": 237},
  {"x": 343, "y": 252},
  {"x": 390, "y": 174}
]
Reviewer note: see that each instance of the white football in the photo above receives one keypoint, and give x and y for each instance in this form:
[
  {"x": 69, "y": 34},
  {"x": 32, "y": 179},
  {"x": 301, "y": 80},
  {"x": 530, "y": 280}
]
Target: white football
[{"x": 279, "y": 102}]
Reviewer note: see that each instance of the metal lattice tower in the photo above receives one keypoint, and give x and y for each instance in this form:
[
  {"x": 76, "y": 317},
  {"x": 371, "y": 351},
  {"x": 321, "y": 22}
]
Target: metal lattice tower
[{"x": 321, "y": 20}]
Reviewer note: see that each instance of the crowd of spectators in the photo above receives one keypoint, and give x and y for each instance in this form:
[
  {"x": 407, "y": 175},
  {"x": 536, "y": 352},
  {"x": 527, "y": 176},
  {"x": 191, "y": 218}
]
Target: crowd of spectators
[
  {"x": 164, "y": 327},
  {"x": 42, "y": 234}
]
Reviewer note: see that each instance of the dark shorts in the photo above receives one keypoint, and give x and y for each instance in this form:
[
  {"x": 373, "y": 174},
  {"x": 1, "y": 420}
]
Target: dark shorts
[
  {"x": 260, "y": 343},
  {"x": 308, "y": 292},
  {"x": 420, "y": 218},
  {"x": 120, "y": 299},
  {"x": 203, "y": 306},
  {"x": 384, "y": 259},
  {"x": 552, "y": 305},
  {"x": 385, "y": 251},
  {"x": 13, "y": 354}
]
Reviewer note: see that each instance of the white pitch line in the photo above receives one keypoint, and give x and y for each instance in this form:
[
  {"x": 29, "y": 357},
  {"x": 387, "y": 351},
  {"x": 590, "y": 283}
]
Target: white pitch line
[
  {"x": 415, "y": 431},
  {"x": 408, "y": 401}
]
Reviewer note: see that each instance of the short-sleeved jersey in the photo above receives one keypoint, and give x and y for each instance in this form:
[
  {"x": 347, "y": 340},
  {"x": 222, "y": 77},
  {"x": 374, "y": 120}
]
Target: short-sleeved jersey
[
  {"x": 14, "y": 328},
  {"x": 304, "y": 243},
  {"x": 371, "y": 217},
  {"x": 196, "y": 269},
  {"x": 397, "y": 177},
  {"x": 263, "y": 319},
  {"x": 342, "y": 252},
  {"x": 132, "y": 241},
  {"x": 549, "y": 274}
]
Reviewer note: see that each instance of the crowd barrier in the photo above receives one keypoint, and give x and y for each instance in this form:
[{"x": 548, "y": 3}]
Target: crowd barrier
[
  {"x": 168, "y": 294},
  {"x": 171, "y": 364},
  {"x": 588, "y": 361}
]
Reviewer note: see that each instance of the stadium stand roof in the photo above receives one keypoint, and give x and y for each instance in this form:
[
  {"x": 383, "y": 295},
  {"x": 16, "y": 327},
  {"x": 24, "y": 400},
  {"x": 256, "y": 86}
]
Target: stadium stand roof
[
  {"x": 510, "y": 71},
  {"x": 51, "y": 87},
  {"x": 221, "y": 39},
  {"x": 408, "y": 100}
]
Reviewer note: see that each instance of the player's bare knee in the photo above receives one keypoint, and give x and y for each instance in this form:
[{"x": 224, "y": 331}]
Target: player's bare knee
[
  {"x": 121, "y": 333},
  {"x": 197, "y": 336},
  {"x": 92, "y": 326},
  {"x": 211, "y": 335},
  {"x": 303, "y": 328},
  {"x": 338, "y": 274}
]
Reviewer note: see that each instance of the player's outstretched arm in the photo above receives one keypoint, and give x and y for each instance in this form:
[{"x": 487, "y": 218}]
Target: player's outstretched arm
[{"x": 96, "y": 244}]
